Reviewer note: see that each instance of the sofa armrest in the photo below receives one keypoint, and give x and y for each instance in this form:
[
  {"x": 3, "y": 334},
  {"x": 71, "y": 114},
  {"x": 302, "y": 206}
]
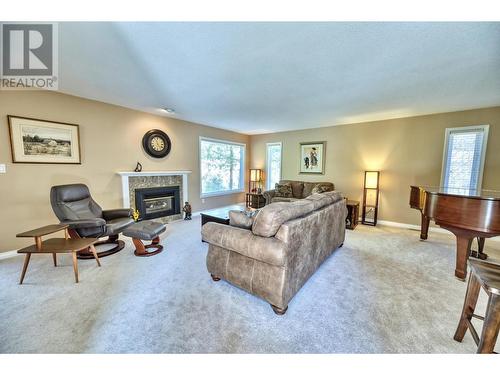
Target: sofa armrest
[
  {"x": 269, "y": 195},
  {"x": 85, "y": 223},
  {"x": 116, "y": 213},
  {"x": 242, "y": 241}
]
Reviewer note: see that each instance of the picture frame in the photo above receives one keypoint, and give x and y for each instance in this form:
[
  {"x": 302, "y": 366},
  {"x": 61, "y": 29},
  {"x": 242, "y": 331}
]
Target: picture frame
[
  {"x": 40, "y": 141},
  {"x": 312, "y": 157}
]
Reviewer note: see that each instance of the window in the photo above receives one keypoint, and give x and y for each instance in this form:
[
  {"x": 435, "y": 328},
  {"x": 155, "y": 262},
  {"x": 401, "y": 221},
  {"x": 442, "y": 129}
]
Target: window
[
  {"x": 463, "y": 158},
  {"x": 273, "y": 165},
  {"x": 221, "y": 167}
]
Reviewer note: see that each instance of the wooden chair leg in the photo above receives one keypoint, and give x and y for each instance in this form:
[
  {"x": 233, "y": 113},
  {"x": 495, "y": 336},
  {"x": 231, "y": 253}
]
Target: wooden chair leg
[
  {"x": 490, "y": 326},
  {"x": 92, "y": 248},
  {"x": 75, "y": 265},
  {"x": 25, "y": 266},
  {"x": 473, "y": 288},
  {"x": 54, "y": 258}
]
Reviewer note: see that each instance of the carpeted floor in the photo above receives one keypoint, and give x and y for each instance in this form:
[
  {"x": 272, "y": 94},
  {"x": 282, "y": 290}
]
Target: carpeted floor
[{"x": 383, "y": 292}]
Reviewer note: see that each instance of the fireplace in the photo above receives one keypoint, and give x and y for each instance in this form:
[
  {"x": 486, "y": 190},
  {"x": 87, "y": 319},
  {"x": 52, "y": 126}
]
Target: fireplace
[{"x": 158, "y": 202}]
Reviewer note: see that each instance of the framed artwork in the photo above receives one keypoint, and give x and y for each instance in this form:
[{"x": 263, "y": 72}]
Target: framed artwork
[
  {"x": 40, "y": 141},
  {"x": 312, "y": 157}
]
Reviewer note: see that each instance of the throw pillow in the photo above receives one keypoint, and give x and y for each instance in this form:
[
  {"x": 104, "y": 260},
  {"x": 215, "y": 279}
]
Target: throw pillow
[
  {"x": 283, "y": 190},
  {"x": 242, "y": 219},
  {"x": 318, "y": 189}
]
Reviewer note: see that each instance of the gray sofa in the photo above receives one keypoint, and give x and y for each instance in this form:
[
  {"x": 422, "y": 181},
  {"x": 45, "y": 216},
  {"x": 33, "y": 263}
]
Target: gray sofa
[
  {"x": 300, "y": 190},
  {"x": 282, "y": 248}
]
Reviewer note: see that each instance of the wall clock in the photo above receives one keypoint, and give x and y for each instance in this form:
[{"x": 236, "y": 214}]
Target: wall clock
[{"x": 156, "y": 143}]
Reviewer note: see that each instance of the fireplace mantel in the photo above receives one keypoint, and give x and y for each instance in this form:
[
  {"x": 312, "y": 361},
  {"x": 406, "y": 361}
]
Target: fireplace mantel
[{"x": 125, "y": 175}]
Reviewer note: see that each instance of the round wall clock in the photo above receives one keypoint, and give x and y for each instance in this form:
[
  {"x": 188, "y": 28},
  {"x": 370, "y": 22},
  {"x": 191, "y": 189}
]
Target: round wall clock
[{"x": 156, "y": 143}]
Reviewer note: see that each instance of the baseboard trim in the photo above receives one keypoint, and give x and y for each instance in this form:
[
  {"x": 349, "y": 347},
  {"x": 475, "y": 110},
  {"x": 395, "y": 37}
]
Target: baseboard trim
[
  {"x": 8, "y": 254},
  {"x": 411, "y": 226},
  {"x": 417, "y": 228}
]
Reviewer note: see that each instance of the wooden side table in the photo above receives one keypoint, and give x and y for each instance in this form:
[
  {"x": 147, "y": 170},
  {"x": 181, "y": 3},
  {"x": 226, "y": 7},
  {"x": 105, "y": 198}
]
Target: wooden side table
[
  {"x": 255, "y": 200},
  {"x": 352, "y": 218},
  {"x": 56, "y": 245}
]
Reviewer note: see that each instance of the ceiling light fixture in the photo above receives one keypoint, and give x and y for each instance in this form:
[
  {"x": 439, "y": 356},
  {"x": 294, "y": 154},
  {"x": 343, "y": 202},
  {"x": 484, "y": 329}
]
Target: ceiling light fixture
[{"x": 168, "y": 110}]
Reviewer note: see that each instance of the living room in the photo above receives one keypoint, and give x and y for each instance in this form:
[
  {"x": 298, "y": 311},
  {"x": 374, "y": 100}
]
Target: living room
[{"x": 186, "y": 189}]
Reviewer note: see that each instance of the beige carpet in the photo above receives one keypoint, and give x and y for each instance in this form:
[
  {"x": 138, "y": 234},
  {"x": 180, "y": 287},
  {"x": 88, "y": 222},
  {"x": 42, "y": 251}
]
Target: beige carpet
[{"x": 383, "y": 292}]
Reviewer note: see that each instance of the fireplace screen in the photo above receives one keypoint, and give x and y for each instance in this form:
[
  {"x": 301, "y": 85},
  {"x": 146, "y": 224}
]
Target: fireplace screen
[
  {"x": 158, "y": 202},
  {"x": 153, "y": 205}
]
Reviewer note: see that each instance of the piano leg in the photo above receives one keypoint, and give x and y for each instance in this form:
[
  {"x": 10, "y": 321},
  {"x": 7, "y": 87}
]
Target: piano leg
[
  {"x": 480, "y": 244},
  {"x": 424, "y": 227},
  {"x": 480, "y": 248},
  {"x": 463, "y": 252}
]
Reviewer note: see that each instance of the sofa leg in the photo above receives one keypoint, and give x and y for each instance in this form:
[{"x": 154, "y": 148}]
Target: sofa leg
[
  {"x": 279, "y": 311},
  {"x": 215, "y": 278},
  {"x": 342, "y": 244}
]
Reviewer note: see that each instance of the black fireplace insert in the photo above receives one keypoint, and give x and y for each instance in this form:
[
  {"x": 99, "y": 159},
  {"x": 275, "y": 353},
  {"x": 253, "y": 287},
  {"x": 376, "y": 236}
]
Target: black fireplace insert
[{"x": 158, "y": 202}]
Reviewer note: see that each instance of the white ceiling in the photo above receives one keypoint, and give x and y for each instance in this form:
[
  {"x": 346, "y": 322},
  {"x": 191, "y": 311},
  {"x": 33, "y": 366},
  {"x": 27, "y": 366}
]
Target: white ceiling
[{"x": 265, "y": 77}]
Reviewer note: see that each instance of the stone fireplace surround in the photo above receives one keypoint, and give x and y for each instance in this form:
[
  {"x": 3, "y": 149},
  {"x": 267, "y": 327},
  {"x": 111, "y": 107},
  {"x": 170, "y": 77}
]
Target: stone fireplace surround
[{"x": 138, "y": 180}]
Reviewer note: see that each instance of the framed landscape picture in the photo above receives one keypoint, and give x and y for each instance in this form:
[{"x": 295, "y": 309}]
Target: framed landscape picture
[
  {"x": 40, "y": 141},
  {"x": 312, "y": 157}
]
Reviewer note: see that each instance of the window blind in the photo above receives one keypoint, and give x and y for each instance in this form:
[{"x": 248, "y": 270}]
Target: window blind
[{"x": 463, "y": 161}]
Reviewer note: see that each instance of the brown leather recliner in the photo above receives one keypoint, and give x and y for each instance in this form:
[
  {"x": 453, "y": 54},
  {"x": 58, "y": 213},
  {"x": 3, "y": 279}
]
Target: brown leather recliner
[{"x": 73, "y": 205}]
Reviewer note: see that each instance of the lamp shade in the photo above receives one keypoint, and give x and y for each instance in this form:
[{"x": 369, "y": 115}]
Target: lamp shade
[
  {"x": 371, "y": 179},
  {"x": 255, "y": 175}
]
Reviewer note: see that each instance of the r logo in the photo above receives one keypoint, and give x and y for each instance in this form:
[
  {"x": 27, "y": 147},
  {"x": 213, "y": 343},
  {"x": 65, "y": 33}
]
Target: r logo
[{"x": 27, "y": 49}]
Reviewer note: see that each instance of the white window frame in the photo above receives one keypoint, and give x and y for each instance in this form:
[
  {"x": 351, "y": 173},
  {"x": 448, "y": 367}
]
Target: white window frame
[
  {"x": 485, "y": 129},
  {"x": 268, "y": 165},
  {"x": 242, "y": 168}
]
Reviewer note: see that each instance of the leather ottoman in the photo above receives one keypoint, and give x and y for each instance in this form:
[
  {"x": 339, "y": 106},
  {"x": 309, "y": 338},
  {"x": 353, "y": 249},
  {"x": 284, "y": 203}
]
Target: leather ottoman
[{"x": 145, "y": 231}]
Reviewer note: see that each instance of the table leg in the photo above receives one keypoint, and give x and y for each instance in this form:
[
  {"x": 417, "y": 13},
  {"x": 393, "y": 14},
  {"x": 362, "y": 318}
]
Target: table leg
[
  {"x": 92, "y": 248},
  {"x": 54, "y": 258},
  {"x": 25, "y": 266},
  {"x": 75, "y": 265}
]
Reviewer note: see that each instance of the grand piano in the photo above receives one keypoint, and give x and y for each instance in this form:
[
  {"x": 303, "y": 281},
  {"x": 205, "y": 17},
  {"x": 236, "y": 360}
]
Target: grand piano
[{"x": 468, "y": 214}]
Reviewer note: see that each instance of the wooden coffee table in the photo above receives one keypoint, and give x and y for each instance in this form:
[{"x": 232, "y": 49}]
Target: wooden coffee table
[{"x": 56, "y": 246}]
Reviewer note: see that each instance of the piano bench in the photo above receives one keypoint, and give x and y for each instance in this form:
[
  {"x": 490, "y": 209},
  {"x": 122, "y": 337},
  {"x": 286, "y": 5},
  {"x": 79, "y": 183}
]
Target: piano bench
[{"x": 483, "y": 275}]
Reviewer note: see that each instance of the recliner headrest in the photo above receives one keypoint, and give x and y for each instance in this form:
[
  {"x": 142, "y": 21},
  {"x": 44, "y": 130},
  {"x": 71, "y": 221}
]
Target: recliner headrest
[{"x": 69, "y": 193}]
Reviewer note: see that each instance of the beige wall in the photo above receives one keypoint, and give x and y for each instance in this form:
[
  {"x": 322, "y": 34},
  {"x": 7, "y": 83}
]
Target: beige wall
[
  {"x": 110, "y": 139},
  {"x": 407, "y": 151}
]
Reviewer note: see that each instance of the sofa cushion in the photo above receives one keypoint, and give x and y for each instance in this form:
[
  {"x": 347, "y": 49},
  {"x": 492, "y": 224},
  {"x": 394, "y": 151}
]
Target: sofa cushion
[
  {"x": 297, "y": 187},
  {"x": 310, "y": 186},
  {"x": 320, "y": 188},
  {"x": 307, "y": 191},
  {"x": 319, "y": 200},
  {"x": 241, "y": 219},
  {"x": 283, "y": 190},
  {"x": 281, "y": 199},
  {"x": 271, "y": 217}
]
